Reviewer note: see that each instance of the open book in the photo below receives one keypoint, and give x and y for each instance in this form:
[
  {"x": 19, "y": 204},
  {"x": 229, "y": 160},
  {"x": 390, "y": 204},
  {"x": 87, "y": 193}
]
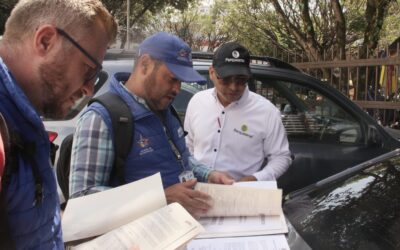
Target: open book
[
  {"x": 245, "y": 209},
  {"x": 135, "y": 214}
]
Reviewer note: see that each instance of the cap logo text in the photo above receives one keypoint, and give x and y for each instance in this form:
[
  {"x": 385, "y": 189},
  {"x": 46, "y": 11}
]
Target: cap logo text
[
  {"x": 234, "y": 60},
  {"x": 184, "y": 55}
]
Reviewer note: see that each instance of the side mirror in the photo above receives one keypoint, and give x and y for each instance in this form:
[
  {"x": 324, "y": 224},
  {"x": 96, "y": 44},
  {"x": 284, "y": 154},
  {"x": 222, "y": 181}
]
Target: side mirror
[{"x": 373, "y": 136}]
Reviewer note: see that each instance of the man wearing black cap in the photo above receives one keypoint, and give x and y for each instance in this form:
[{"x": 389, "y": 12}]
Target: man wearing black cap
[
  {"x": 233, "y": 129},
  {"x": 163, "y": 62}
]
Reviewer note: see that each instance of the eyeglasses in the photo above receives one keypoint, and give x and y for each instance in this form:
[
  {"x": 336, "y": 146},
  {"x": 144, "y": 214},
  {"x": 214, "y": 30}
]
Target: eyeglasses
[
  {"x": 94, "y": 72},
  {"x": 240, "y": 80}
]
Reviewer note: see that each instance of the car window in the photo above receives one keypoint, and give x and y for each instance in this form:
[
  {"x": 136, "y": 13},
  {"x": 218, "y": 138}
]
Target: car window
[
  {"x": 307, "y": 114},
  {"x": 181, "y": 101},
  {"x": 361, "y": 212}
]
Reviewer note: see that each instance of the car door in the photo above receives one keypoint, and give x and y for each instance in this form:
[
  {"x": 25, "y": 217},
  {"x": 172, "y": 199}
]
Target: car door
[{"x": 324, "y": 136}]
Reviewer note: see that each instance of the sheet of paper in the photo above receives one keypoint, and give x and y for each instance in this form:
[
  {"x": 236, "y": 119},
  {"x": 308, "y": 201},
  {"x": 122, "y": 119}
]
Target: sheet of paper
[
  {"x": 257, "y": 184},
  {"x": 242, "y": 201},
  {"x": 266, "y": 242},
  {"x": 245, "y": 225},
  {"x": 242, "y": 226},
  {"x": 167, "y": 228},
  {"x": 101, "y": 212}
]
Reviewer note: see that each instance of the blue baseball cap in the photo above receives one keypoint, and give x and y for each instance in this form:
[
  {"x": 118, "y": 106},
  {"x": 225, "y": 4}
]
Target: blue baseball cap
[{"x": 175, "y": 53}]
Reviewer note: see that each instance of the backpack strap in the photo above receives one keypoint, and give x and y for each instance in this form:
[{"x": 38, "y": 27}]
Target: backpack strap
[
  {"x": 63, "y": 166},
  {"x": 5, "y": 237},
  {"x": 123, "y": 128},
  {"x": 175, "y": 113}
]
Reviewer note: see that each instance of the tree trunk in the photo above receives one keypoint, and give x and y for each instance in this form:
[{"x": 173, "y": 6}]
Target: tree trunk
[
  {"x": 340, "y": 27},
  {"x": 374, "y": 16}
]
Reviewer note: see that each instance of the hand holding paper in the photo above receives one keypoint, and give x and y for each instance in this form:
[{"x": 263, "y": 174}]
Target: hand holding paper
[{"x": 195, "y": 202}]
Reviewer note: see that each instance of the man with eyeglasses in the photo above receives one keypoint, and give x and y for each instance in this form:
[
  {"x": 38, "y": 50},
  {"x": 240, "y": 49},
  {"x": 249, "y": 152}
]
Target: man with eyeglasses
[
  {"x": 50, "y": 55},
  {"x": 233, "y": 129}
]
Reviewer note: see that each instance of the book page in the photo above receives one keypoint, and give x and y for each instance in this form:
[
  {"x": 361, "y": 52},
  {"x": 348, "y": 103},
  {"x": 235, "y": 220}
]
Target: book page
[
  {"x": 167, "y": 228},
  {"x": 242, "y": 226},
  {"x": 266, "y": 242},
  {"x": 257, "y": 184},
  {"x": 98, "y": 213},
  {"x": 231, "y": 200},
  {"x": 230, "y": 226}
]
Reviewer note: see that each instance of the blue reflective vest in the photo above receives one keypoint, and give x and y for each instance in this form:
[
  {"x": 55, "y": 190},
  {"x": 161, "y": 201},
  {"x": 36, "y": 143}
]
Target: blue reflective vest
[
  {"x": 151, "y": 152},
  {"x": 32, "y": 225}
]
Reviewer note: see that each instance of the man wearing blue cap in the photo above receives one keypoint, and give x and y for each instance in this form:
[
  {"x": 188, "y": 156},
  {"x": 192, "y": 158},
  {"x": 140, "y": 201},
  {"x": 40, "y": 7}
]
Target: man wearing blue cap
[{"x": 163, "y": 62}]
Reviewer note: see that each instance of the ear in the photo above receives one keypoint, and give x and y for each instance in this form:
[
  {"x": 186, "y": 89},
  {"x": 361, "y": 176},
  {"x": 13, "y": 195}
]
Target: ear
[
  {"x": 211, "y": 72},
  {"x": 45, "y": 39},
  {"x": 146, "y": 64}
]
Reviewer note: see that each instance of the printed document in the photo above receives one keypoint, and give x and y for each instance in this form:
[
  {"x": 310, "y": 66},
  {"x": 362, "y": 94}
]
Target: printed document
[
  {"x": 165, "y": 229},
  {"x": 259, "y": 208},
  {"x": 265, "y": 242},
  {"x": 135, "y": 214},
  {"x": 241, "y": 201},
  {"x": 98, "y": 213}
]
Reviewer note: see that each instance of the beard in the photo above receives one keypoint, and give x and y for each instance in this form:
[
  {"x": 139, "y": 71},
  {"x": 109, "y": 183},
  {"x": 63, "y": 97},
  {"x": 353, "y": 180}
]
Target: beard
[
  {"x": 149, "y": 84},
  {"x": 54, "y": 90},
  {"x": 156, "y": 99}
]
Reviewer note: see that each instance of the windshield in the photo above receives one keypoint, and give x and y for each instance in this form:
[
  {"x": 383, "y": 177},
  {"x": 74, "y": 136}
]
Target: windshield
[{"x": 362, "y": 212}]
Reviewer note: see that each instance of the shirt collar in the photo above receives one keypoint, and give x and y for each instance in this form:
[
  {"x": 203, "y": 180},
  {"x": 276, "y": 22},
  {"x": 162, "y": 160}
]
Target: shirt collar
[
  {"x": 135, "y": 97},
  {"x": 242, "y": 99}
]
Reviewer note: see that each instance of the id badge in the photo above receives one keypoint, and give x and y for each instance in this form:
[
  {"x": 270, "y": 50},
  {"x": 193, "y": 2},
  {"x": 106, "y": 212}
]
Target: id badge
[{"x": 186, "y": 175}]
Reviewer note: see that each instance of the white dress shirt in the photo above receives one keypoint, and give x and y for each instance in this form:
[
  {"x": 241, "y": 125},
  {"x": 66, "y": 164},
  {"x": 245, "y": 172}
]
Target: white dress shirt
[{"x": 237, "y": 138}]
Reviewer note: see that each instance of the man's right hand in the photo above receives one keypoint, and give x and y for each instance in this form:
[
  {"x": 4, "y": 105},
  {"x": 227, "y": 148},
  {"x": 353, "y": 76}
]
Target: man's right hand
[{"x": 195, "y": 202}]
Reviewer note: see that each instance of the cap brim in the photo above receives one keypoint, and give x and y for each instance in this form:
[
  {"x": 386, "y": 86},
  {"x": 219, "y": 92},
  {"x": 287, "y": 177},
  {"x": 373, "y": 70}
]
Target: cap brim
[
  {"x": 232, "y": 70},
  {"x": 186, "y": 73}
]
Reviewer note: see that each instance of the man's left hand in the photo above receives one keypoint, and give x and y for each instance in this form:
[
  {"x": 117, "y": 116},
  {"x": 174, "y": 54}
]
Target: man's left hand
[{"x": 218, "y": 177}]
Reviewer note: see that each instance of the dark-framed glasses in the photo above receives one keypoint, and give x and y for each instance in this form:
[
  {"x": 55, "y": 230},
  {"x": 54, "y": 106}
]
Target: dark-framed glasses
[
  {"x": 94, "y": 72},
  {"x": 240, "y": 80}
]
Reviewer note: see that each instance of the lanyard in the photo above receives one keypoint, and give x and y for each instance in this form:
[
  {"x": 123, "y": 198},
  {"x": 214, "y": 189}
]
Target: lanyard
[{"x": 174, "y": 148}]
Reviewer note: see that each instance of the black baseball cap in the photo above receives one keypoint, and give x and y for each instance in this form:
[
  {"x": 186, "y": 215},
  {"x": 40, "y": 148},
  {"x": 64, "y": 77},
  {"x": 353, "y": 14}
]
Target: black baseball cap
[{"x": 232, "y": 59}]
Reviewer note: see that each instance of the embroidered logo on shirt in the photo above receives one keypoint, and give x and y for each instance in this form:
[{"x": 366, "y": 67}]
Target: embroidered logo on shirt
[
  {"x": 144, "y": 144},
  {"x": 243, "y": 132}
]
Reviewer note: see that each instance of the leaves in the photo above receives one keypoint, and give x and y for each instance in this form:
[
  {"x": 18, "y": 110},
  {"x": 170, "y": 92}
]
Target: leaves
[{"x": 5, "y": 10}]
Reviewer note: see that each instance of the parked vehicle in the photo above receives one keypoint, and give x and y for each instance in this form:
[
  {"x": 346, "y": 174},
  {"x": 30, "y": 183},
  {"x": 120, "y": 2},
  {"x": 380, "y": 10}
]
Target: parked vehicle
[
  {"x": 327, "y": 132},
  {"x": 355, "y": 209},
  {"x": 59, "y": 129}
]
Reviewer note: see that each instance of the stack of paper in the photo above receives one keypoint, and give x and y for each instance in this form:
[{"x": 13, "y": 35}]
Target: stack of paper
[
  {"x": 249, "y": 211},
  {"x": 131, "y": 215}
]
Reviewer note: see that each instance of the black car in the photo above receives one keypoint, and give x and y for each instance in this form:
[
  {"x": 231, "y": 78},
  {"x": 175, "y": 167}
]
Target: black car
[
  {"x": 327, "y": 132},
  {"x": 356, "y": 209}
]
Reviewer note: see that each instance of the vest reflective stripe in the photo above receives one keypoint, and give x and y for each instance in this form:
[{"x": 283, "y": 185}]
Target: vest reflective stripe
[{"x": 31, "y": 226}]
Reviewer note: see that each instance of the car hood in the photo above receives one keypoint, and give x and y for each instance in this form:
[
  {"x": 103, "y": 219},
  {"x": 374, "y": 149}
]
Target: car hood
[
  {"x": 294, "y": 239},
  {"x": 393, "y": 132}
]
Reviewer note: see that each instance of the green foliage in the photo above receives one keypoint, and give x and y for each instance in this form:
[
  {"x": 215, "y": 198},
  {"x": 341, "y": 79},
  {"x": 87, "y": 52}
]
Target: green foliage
[
  {"x": 141, "y": 14},
  {"x": 5, "y": 10},
  {"x": 199, "y": 28},
  {"x": 248, "y": 22},
  {"x": 305, "y": 26},
  {"x": 391, "y": 26}
]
